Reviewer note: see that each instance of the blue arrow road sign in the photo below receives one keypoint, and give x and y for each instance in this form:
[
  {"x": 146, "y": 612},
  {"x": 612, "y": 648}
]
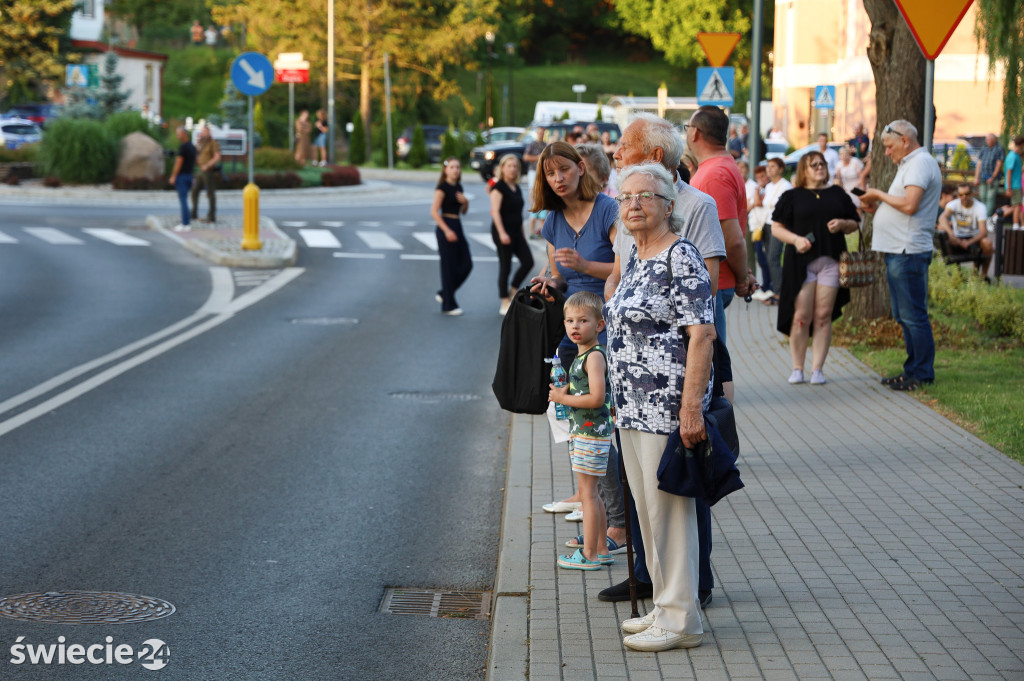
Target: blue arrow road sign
[
  {"x": 716, "y": 85},
  {"x": 825, "y": 97},
  {"x": 252, "y": 73}
]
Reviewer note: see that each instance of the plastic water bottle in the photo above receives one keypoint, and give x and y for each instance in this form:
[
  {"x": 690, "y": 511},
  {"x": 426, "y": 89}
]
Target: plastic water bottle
[{"x": 560, "y": 379}]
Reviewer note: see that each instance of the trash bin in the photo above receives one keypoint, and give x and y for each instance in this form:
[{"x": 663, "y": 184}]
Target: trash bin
[{"x": 1013, "y": 250}]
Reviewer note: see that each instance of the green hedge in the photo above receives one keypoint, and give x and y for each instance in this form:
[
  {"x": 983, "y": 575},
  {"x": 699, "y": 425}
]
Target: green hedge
[
  {"x": 123, "y": 123},
  {"x": 26, "y": 154},
  {"x": 997, "y": 308},
  {"x": 79, "y": 150},
  {"x": 273, "y": 158}
]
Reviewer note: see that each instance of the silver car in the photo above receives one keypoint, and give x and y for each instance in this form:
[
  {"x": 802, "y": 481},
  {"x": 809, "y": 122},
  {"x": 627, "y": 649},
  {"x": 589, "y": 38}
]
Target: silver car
[{"x": 17, "y": 132}]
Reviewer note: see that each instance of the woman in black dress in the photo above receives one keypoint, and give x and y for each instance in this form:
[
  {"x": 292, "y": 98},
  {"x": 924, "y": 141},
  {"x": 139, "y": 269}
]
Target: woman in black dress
[
  {"x": 456, "y": 262},
  {"x": 812, "y": 220},
  {"x": 507, "y": 229}
]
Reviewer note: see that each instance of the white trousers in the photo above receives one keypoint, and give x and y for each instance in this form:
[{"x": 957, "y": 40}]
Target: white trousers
[{"x": 668, "y": 524}]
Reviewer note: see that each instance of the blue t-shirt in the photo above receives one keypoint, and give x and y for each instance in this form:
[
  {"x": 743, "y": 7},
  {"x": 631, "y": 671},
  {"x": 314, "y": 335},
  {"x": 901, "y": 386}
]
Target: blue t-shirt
[
  {"x": 592, "y": 242},
  {"x": 1013, "y": 169}
]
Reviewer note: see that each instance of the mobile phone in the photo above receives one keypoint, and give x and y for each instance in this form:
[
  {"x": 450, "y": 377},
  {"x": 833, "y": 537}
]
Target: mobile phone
[
  {"x": 810, "y": 237},
  {"x": 857, "y": 191}
]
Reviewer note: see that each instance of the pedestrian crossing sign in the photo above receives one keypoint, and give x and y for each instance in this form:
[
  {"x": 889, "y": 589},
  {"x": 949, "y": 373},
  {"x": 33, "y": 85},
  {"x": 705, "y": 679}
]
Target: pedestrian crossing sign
[
  {"x": 82, "y": 75},
  {"x": 825, "y": 97},
  {"x": 716, "y": 85}
]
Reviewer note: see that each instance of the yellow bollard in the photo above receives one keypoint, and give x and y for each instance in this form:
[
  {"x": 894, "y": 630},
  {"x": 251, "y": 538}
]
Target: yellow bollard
[{"x": 251, "y": 218}]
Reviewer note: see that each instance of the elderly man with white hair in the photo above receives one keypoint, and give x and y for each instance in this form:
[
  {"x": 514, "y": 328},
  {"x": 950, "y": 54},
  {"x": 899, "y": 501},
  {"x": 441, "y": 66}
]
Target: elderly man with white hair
[{"x": 904, "y": 226}]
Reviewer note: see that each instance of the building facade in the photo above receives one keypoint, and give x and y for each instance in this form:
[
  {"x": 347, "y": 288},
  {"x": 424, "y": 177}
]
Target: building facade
[{"x": 824, "y": 42}]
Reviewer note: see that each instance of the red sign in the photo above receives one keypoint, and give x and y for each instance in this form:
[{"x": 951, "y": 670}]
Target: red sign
[
  {"x": 932, "y": 21},
  {"x": 292, "y": 75}
]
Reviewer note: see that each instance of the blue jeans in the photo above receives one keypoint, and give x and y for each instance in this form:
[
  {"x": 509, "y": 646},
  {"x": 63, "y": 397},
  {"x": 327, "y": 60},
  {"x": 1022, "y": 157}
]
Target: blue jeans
[
  {"x": 182, "y": 184},
  {"x": 761, "y": 250},
  {"x": 722, "y": 300},
  {"x": 907, "y": 274},
  {"x": 987, "y": 195}
]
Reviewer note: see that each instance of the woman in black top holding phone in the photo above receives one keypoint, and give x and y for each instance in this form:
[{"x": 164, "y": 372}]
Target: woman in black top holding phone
[
  {"x": 456, "y": 262},
  {"x": 812, "y": 220}
]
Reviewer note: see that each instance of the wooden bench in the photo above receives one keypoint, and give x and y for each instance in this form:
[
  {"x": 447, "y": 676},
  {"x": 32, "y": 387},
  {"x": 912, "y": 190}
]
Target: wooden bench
[{"x": 951, "y": 257}]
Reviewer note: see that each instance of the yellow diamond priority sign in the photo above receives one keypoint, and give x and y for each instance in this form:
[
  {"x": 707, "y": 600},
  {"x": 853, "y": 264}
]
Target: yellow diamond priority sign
[
  {"x": 718, "y": 46},
  {"x": 933, "y": 21}
]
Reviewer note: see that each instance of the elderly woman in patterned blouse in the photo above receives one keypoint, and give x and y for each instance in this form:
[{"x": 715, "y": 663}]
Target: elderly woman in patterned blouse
[{"x": 660, "y": 336}]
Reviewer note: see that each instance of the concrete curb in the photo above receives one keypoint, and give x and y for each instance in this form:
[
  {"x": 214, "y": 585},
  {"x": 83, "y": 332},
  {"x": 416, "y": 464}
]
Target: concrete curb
[
  {"x": 221, "y": 244},
  {"x": 508, "y": 656}
]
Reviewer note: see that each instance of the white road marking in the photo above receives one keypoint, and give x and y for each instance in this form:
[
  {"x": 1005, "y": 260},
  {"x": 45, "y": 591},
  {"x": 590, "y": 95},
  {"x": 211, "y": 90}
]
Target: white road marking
[
  {"x": 116, "y": 236},
  {"x": 319, "y": 238},
  {"x": 332, "y": 223},
  {"x": 367, "y": 256},
  {"x": 216, "y": 305},
  {"x": 405, "y": 223},
  {"x": 369, "y": 223},
  {"x": 299, "y": 223},
  {"x": 5, "y": 239},
  {"x": 53, "y": 236},
  {"x": 472, "y": 223},
  {"x": 428, "y": 239},
  {"x": 381, "y": 240},
  {"x": 418, "y": 256},
  {"x": 483, "y": 238}
]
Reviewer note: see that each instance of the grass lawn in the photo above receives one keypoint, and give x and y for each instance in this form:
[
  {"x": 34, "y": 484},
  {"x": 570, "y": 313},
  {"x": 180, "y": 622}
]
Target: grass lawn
[{"x": 978, "y": 378}]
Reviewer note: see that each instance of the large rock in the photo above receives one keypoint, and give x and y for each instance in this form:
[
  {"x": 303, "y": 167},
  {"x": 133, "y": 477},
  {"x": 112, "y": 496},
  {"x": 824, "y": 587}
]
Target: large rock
[{"x": 141, "y": 157}]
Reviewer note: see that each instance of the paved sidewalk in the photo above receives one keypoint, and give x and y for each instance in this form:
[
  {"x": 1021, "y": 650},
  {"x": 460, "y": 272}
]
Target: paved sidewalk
[{"x": 874, "y": 540}]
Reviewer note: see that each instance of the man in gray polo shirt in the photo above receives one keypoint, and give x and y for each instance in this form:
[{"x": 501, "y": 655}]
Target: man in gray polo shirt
[{"x": 904, "y": 225}]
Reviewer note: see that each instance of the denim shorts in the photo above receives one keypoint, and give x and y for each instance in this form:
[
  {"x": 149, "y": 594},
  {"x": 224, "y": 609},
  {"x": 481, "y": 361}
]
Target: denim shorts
[{"x": 824, "y": 270}]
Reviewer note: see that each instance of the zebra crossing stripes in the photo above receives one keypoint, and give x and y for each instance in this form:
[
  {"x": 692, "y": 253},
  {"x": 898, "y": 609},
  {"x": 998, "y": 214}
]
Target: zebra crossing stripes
[
  {"x": 294, "y": 223},
  {"x": 332, "y": 223},
  {"x": 53, "y": 236},
  {"x": 428, "y": 239},
  {"x": 482, "y": 238},
  {"x": 381, "y": 240},
  {"x": 319, "y": 238},
  {"x": 116, "y": 237},
  {"x": 6, "y": 239}
]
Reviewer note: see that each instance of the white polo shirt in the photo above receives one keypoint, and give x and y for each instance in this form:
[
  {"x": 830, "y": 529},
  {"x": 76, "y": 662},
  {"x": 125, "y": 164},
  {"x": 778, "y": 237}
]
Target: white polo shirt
[{"x": 896, "y": 232}]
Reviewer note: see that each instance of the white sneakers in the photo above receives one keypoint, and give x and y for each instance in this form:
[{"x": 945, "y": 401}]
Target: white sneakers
[
  {"x": 638, "y": 624},
  {"x": 562, "y": 506},
  {"x": 575, "y": 516},
  {"x": 655, "y": 640},
  {"x": 817, "y": 378},
  {"x": 797, "y": 376},
  {"x": 457, "y": 312}
]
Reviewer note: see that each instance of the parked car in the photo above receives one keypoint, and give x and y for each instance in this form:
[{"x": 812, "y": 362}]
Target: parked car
[
  {"x": 432, "y": 134},
  {"x": 40, "y": 114},
  {"x": 483, "y": 158},
  {"x": 775, "y": 149},
  {"x": 17, "y": 132},
  {"x": 505, "y": 134},
  {"x": 794, "y": 158}
]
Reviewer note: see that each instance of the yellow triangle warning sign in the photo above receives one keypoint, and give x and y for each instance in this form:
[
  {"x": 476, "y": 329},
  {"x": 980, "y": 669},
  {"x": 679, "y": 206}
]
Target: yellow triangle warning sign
[
  {"x": 933, "y": 21},
  {"x": 718, "y": 46}
]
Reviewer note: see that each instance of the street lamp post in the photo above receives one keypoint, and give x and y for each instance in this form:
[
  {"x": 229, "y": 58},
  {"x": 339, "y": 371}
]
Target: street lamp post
[
  {"x": 490, "y": 53},
  {"x": 510, "y": 49}
]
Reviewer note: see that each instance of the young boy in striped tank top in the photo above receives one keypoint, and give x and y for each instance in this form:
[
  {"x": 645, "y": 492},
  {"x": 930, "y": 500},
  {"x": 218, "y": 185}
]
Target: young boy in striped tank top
[{"x": 590, "y": 424}]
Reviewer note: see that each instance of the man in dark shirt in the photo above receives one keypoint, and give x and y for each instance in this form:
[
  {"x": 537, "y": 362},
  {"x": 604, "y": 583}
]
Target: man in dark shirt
[
  {"x": 181, "y": 175},
  {"x": 860, "y": 142}
]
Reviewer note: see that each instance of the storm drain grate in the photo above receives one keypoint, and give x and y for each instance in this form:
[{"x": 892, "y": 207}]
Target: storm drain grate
[
  {"x": 325, "y": 321},
  {"x": 427, "y": 396},
  {"x": 83, "y": 607},
  {"x": 473, "y": 605}
]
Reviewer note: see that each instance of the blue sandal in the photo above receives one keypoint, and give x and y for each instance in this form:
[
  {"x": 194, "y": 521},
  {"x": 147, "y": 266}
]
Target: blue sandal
[
  {"x": 613, "y": 548},
  {"x": 578, "y": 562}
]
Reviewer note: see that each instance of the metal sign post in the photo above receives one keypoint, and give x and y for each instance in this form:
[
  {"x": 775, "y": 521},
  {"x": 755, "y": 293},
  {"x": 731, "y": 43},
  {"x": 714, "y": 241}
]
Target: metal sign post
[{"x": 252, "y": 74}]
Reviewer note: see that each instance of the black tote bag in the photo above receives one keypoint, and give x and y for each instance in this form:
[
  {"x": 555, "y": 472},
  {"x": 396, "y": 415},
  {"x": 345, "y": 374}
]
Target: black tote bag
[{"x": 530, "y": 332}]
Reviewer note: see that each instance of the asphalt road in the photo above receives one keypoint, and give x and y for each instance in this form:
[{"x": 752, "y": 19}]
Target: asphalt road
[{"x": 268, "y": 468}]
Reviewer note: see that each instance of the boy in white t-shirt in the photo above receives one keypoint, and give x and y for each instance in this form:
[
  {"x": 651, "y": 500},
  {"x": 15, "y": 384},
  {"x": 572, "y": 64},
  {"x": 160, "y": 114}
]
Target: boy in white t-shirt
[{"x": 964, "y": 220}]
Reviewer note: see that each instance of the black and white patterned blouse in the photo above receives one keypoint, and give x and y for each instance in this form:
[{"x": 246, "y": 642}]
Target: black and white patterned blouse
[{"x": 647, "y": 341}]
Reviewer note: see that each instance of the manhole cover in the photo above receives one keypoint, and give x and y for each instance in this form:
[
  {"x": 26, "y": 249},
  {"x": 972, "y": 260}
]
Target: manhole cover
[
  {"x": 471, "y": 605},
  {"x": 325, "y": 321},
  {"x": 83, "y": 607},
  {"x": 426, "y": 396}
]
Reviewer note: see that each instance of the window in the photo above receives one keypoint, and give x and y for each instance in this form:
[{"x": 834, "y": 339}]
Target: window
[{"x": 87, "y": 8}]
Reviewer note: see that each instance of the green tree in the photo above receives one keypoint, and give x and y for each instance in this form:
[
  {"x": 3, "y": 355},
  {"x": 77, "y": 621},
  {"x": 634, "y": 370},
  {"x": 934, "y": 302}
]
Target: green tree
[
  {"x": 449, "y": 147},
  {"x": 109, "y": 96},
  {"x": 424, "y": 38},
  {"x": 672, "y": 25},
  {"x": 233, "y": 106},
  {"x": 33, "y": 45},
  {"x": 418, "y": 148},
  {"x": 1000, "y": 28},
  {"x": 357, "y": 142}
]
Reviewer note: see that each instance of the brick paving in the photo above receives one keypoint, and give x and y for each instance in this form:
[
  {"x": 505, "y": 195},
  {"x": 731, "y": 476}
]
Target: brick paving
[{"x": 874, "y": 539}]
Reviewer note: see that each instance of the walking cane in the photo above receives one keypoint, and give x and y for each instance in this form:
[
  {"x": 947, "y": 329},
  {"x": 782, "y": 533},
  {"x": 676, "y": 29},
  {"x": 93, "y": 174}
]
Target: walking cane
[{"x": 626, "y": 500}]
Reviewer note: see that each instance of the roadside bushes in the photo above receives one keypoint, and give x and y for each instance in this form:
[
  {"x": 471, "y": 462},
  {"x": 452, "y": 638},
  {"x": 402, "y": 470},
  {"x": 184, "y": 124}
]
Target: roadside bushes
[
  {"x": 340, "y": 176},
  {"x": 997, "y": 308},
  {"x": 417, "y": 148},
  {"x": 79, "y": 150},
  {"x": 273, "y": 158},
  {"x": 124, "y": 123}
]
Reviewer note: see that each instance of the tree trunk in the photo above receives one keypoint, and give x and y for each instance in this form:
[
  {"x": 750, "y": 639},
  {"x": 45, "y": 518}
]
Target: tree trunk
[{"x": 899, "y": 69}]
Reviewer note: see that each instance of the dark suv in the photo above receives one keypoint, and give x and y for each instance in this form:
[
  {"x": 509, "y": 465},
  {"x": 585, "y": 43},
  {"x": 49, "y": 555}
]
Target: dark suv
[{"x": 484, "y": 158}]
